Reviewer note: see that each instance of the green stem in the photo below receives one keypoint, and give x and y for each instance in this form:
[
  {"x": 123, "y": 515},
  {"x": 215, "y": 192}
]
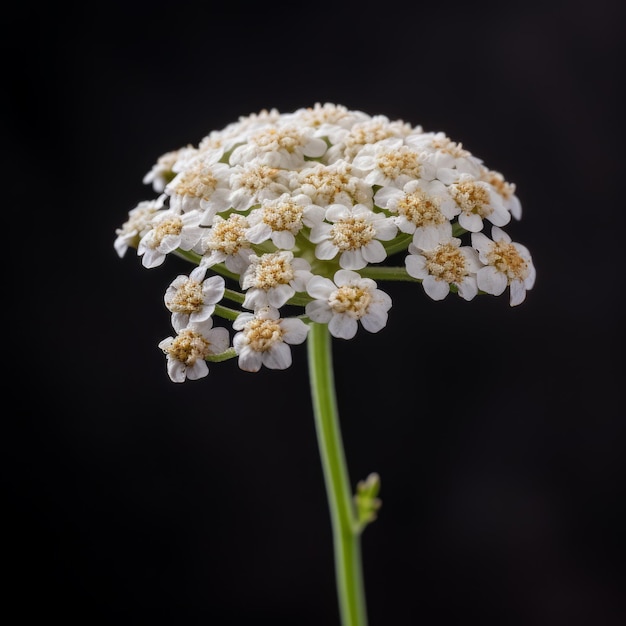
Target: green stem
[{"x": 345, "y": 525}]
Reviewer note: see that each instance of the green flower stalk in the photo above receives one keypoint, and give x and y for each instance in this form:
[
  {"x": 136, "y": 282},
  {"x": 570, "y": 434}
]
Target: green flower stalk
[{"x": 289, "y": 223}]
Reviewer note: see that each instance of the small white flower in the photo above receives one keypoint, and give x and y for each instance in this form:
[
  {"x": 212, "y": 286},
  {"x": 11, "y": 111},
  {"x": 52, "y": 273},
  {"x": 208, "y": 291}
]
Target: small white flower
[
  {"x": 444, "y": 263},
  {"x": 254, "y": 182},
  {"x": 447, "y": 158},
  {"x": 264, "y": 339},
  {"x": 371, "y": 131},
  {"x": 138, "y": 224},
  {"x": 329, "y": 120},
  {"x": 477, "y": 200},
  {"x": 505, "y": 189},
  {"x": 506, "y": 264},
  {"x": 226, "y": 242},
  {"x": 273, "y": 278},
  {"x": 345, "y": 302},
  {"x": 391, "y": 163},
  {"x": 420, "y": 208},
  {"x": 237, "y": 132},
  {"x": 192, "y": 298},
  {"x": 202, "y": 185},
  {"x": 186, "y": 353},
  {"x": 283, "y": 146},
  {"x": 354, "y": 233},
  {"x": 165, "y": 168},
  {"x": 281, "y": 219},
  {"x": 170, "y": 230},
  {"x": 338, "y": 183}
]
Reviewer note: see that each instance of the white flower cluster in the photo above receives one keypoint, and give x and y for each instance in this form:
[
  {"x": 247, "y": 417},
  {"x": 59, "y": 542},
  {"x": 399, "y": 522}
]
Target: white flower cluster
[{"x": 304, "y": 209}]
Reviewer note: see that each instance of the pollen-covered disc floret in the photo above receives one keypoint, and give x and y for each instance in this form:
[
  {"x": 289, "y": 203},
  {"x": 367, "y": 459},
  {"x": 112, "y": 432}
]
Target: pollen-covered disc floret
[{"x": 293, "y": 219}]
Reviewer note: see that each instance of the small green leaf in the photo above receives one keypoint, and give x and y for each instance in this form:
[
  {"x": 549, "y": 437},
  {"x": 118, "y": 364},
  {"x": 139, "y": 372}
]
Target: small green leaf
[{"x": 366, "y": 500}]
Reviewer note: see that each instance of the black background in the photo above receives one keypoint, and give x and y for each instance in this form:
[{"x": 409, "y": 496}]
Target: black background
[{"x": 498, "y": 432}]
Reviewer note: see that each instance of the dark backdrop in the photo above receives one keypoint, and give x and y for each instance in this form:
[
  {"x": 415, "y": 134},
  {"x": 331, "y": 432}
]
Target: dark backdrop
[{"x": 498, "y": 433}]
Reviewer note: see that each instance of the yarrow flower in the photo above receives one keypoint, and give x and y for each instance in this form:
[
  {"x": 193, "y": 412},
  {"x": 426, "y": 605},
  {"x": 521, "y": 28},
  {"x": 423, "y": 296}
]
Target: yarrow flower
[
  {"x": 506, "y": 264},
  {"x": 170, "y": 230},
  {"x": 293, "y": 219},
  {"x": 264, "y": 339},
  {"x": 348, "y": 299},
  {"x": 138, "y": 224},
  {"x": 193, "y": 299},
  {"x": 443, "y": 262},
  {"x": 187, "y": 352}
]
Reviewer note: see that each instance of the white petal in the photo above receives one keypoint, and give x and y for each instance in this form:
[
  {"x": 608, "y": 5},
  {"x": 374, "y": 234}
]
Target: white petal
[
  {"x": 500, "y": 235},
  {"x": 447, "y": 175},
  {"x": 336, "y": 212},
  {"x": 416, "y": 266},
  {"x": 283, "y": 239},
  {"x": 517, "y": 293},
  {"x": 315, "y": 148},
  {"x": 468, "y": 289},
  {"x": 279, "y": 295},
  {"x": 326, "y": 250},
  {"x": 166, "y": 343},
  {"x": 179, "y": 321},
  {"x": 426, "y": 237},
  {"x": 198, "y": 274},
  {"x": 471, "y": 222},
  {"x": 250, "y": 361},
  {"x": 375, "y": 320},
  {"x": 386, "y": 229},
  {"x": 152, "y": 258},
  {"x": 320, "y": 287},
  {"x": 436, "y": 289},
  {"x": 386, "y": 194},
  {"x": 345, "y": 277},
  {"x": 319, "y": 311},
  {"x": 278, "y": 357},
  {"x": 481, "y": 242},
  {"x": 176, "y": 370},
  {"x": 529, "y": 283},
  {"x": 491, "y": 280},
  {"x": 295, "y": 330},
  {"x": 352, "y": 259},
  {"x": 212, "y": 288},
  {"x": 255, "y": 299},
  {"x": 219, "y": 338},
  {"x": 343, "y": 326},
  {"x": 499, "y": 216},
  {"x": 259, "y": 233},
  {"x": 515, "y": 206},
  {"x": 198, "y": 370},
  {"x": 202, "y": 327},
  {"x": 242, "y": 319}
]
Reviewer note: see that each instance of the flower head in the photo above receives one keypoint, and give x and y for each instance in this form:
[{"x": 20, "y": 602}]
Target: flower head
[{"x": 293, "y": 219}]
